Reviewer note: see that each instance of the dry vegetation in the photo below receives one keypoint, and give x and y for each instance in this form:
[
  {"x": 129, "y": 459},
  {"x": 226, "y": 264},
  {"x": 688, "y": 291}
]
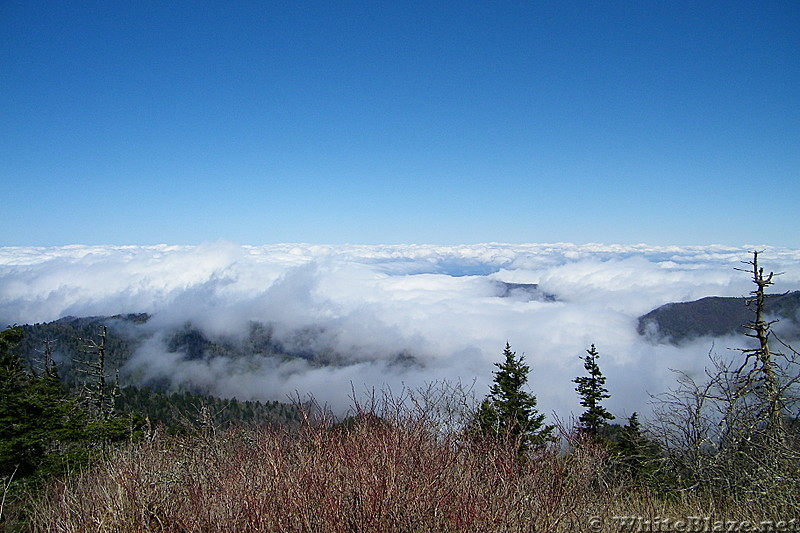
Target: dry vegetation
[{"x": 389, "y": 473}]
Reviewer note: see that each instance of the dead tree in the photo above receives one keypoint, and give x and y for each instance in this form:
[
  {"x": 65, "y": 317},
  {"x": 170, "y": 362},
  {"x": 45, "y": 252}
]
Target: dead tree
[
  {"x": 47, "y": 366},
  {"x": 98, "y": 393},
  {"x": 728, "y": 433},
  {"x": 759, "y": 370}
]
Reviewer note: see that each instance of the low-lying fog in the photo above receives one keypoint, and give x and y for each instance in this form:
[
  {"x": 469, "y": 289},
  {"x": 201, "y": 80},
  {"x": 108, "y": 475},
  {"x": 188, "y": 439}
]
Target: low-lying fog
[{"x": 400, "y": 315}]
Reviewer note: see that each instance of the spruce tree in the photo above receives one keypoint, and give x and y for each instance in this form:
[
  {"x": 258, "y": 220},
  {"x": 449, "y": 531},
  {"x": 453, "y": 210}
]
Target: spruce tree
[
  {"x": 37, "y": 417},
  {"x": 509, "y": 411},
  {"x": 630, "y": 445},
  {"x": 43, "y": 429},
  {"x": 639, "y": 457},
  {"x": 592, "y": 391}
]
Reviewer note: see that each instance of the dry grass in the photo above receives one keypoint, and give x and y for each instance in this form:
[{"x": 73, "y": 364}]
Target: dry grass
[{"x": 372, "y": 476}]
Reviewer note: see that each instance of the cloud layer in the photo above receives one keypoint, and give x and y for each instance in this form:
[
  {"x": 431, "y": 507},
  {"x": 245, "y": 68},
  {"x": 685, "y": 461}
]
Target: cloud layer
[{"x": 371, "y": 304}]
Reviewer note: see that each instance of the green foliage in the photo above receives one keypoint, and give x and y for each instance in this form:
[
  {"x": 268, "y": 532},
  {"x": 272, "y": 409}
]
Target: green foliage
[
  {"x": 180, "y": 411},
  {"x": 37, "y": 418},
  {"x": 44, "y": 429},
  {"x": 9, "y": 339},
  {"x": 509, "y": 411},
  {"x": 715, "y": 316},
  {"x": 67, "y": 340},
  {"x": 592, "y": 390},
  {"x": 639, "y": 457}
]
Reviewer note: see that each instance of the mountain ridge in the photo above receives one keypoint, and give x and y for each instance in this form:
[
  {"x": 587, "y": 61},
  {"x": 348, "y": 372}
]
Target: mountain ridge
[{"x": 716, "y": 316}]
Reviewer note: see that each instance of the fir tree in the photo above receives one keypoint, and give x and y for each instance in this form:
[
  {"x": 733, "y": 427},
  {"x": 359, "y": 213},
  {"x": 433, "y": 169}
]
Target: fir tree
[
  {"x": 43, "y": 429},
  {"x": 638, "y": 455},
  {"x": 592, "y": 391},
  {"x": 36, "y": 414},
  {"x": 509, "y": 411},
  {"x": 630, "y": 444}
]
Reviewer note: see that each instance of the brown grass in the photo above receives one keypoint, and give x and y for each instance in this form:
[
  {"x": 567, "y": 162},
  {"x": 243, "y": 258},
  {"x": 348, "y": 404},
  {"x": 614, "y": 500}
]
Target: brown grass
[{"x": 371, "y": 476}]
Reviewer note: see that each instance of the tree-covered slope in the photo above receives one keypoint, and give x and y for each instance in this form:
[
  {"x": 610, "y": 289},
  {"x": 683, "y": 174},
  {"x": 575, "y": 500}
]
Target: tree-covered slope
[
  {"x": 68, "y": 342},
  {"x": 716, "y": 316}
]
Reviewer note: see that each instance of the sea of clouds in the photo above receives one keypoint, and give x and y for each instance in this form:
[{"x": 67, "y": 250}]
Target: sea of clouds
[{"x": 437, "y": 305}]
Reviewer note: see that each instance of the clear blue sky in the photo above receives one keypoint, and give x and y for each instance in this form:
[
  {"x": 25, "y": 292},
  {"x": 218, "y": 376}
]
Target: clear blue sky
[{"x": 400, "y": 122}]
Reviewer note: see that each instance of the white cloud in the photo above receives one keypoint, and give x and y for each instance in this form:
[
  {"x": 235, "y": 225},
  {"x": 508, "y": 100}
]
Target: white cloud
[{"x": 371, "y": 303}]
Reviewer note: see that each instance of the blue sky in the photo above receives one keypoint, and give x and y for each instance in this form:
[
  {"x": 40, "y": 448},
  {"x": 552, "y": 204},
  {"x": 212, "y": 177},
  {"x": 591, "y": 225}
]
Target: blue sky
[{"x": 400, "y": 122}]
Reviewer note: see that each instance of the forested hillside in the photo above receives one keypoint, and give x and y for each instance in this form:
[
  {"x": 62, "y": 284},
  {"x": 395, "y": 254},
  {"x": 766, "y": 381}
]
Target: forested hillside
[{"x": 717, "y": 316}]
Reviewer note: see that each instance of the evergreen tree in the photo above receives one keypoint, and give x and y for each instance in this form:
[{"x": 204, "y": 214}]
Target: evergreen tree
[
  {"x": 10, "y": 362},
  {"x": 592, "y": 391},
  {"x": 509, "y": 411},
  {"x": 630, "y": 444},
  {"x": 43, "y": 429},
  {"x": 36, "y": 414},
  {"x": 639, "y": 457}
]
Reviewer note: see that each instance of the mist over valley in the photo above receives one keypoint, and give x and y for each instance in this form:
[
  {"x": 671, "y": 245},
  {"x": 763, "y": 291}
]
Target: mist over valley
[{"x": 268, "y": 322}]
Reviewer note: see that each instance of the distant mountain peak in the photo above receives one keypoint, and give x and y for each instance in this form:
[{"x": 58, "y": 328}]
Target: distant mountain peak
[
  {"x": 523, "y": 291},
  {"x": 715, "y": 316}
]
